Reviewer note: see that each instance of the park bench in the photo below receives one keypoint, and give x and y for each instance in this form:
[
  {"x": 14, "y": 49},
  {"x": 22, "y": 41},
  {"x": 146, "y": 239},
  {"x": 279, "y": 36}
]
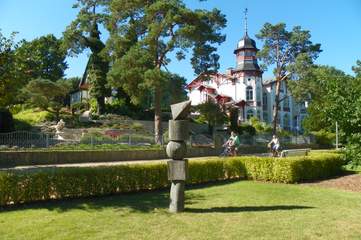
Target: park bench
[{"x": 295, "y": 152}]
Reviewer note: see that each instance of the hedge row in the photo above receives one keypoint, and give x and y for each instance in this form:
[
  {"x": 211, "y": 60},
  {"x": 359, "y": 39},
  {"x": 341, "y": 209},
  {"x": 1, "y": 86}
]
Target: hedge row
[
  {"x": 19, "y": 186},
  {"x": 294, "y": 169}
]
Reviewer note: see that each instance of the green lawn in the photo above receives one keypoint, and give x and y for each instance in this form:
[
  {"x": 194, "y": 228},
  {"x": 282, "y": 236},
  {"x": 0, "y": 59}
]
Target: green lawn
[{"x": 238, "y": 210}]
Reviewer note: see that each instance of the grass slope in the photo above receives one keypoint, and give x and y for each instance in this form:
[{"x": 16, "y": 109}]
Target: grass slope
[{"x": 238, "y": 210}]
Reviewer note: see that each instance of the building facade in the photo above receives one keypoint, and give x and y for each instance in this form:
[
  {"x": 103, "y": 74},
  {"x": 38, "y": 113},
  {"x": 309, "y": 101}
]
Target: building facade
[{"x": 242, "y": 87}]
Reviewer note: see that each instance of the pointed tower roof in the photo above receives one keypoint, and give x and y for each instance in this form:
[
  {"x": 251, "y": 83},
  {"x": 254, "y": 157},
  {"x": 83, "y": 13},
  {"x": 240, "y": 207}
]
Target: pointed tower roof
[{"x": 246, "y": 42}]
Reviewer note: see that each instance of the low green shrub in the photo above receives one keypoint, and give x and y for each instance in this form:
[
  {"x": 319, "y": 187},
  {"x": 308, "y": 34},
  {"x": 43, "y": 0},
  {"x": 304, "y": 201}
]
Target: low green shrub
[
  {"x": 317, "y": 167},
  {"x": 137, "y": 126},
  {"x": 19, "y": 186},
  {"x": 261, "y": 127},
  {"x": 246, "y": 129},
  {"x": 294, "y": 169},
  {"x": 324, "y": 138},
  {"x": 60, "y": 183},
  {"x": 33, "y": 116}
]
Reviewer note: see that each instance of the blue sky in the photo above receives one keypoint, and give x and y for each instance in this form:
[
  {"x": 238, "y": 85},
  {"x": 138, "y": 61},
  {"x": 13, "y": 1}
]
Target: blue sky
[{"x": 334, "y": 24}]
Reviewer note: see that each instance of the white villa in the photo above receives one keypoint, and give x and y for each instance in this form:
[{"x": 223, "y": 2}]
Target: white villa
[{"x": 242, "y": 87}]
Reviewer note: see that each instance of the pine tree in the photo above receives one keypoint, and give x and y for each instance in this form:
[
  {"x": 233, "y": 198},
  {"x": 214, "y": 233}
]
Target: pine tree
[{"x": 161, "y": 27}]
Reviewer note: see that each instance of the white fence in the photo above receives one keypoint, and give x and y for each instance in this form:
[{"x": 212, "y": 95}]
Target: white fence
[
  {"x": 27, "y": 139},
  {"x": 24, "y": 139}
]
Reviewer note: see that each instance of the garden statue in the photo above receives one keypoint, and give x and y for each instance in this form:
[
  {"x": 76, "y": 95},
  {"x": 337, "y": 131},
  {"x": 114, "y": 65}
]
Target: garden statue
[
  {"x": 60, "y": 126},
  {"x": 58, "y": 129},
  {"x": 177, "y": 149}
]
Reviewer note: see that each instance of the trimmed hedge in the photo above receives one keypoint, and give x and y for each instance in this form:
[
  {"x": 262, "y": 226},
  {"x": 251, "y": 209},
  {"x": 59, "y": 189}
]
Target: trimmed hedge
[
  {"x": 294, "y": 169},
  {"x": 20, "y": 186}
]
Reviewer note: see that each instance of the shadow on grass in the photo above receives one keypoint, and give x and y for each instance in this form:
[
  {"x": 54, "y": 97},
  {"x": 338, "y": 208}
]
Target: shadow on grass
[
  {"x": 245, "y": 209},
  {"x": 136, "y": 201},
  {"x": 140, "y": 202},
  {"x": 132, "y": 202}
]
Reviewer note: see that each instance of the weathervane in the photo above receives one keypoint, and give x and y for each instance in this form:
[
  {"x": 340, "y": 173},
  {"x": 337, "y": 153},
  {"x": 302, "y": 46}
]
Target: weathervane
[{"x": 245, "y": 21}]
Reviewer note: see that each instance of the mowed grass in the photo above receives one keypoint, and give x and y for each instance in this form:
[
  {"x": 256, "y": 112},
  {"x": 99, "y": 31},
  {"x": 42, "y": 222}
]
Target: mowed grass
[{"x": 233, "y": 210}]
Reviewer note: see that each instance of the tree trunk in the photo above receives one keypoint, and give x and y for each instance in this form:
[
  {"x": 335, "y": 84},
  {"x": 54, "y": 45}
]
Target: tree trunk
[
  {"x": 276, "y": 107},
  {"x": 158, "y": 116},
  {"x": 100, "y": 105},
  {"x": 233, "y": 118}
]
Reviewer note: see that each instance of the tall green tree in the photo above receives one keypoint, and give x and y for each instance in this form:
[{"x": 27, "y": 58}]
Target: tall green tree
[
  {"x": 335, "y": 97},
  {"x": 330, "y": 92},
  {"x": 43, "y": 57},
  {"x": 83, "y": 33},
  {"x": 282, "y": 49},
  {"x": 160, "y": 28},
  {"x": 10, "y": 81}
]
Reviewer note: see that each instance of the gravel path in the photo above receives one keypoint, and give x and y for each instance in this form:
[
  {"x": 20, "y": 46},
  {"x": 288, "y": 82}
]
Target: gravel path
[{"x": 350, "y": 182}]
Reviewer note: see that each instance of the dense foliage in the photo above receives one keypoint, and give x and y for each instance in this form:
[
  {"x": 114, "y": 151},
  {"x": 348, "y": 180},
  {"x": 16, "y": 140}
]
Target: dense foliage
[
  {"x": 142, "y": 36},
  {"x": 43, "y": 57},
  {"x": 47, "y": 95},
  {"x": 10, "y": 78},
  {"x": 18, "y": 186},
  {"x": 21, "y": 63},
  {"x": 83, "y": 33},
  {"x": 324, "y": 138},
  {"x": 212, "y": 114},
  {"x": 151, "y": 31},
  {"x": 335, "y": 97}
]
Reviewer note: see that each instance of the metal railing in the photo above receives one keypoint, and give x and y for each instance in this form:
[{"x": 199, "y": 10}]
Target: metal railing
[
  {"x": 23, "y": 139},
  {"x": 26, "y": 139}
]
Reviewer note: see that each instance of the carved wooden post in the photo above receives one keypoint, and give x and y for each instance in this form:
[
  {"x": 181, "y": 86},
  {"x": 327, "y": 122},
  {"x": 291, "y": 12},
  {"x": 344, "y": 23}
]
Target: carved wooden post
[{"x": 176, "y": 150}]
